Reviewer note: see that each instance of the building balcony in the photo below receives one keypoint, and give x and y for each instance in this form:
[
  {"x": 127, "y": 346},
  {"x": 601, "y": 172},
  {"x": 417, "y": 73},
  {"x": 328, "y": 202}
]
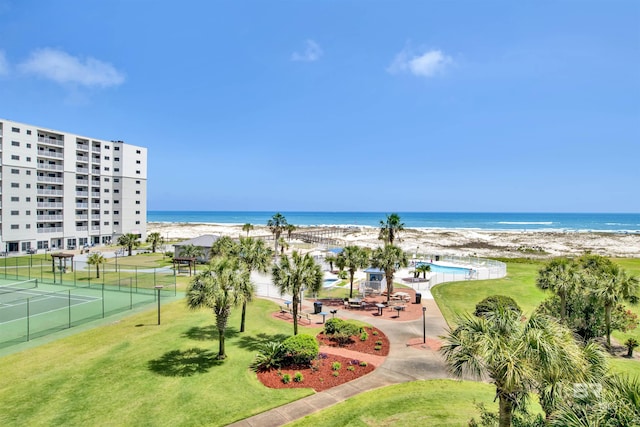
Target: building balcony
[
  {"x": 82, "y": 216},
  {"x": 95, "y": 194},
  {"x": 50, "y": 141},
  {"x": 95, "y": 205},
  {"x": 95, "y": 159},
  {"x": 82, "y": 147},
  {"x": 50, "y": 217},
  {"x": 50, "y": 205},
  {"x": 53, "y": 154},
  {"x": 43, "y": 178},
  {"x": 82, "y": 205},
  {"x": 82, "y": 228},
  {"x": 82, "y": 181},
  {"x": 95, "y": 216},
  {"x": 95, "y": 149},
  {"x": 82, "y": 193},
  {"x": 95, "y": 228},
  {"x": 50, "y": 230},
  {"x": 46, "y": 166},
  {"x": 48, "y": 192},
  {"x": 84, "y": 159},
  {"x": 82, "y": 170}
]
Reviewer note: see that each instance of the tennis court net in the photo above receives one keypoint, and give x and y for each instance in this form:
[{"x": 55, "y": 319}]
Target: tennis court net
[{"x": 19, "y": 286}]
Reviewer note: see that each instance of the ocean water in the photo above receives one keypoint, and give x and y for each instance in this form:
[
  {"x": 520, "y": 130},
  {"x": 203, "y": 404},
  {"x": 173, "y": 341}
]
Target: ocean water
[{"x": 602, "y": 222}]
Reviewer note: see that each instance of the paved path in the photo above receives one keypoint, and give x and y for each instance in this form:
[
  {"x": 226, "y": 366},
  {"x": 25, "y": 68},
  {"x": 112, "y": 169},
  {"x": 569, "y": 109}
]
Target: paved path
[{"x": 404, "y": 363}]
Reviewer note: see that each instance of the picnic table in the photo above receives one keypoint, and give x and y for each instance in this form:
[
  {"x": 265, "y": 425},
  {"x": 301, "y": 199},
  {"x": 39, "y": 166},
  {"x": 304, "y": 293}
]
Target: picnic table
[{"x": 380, "y": 308}]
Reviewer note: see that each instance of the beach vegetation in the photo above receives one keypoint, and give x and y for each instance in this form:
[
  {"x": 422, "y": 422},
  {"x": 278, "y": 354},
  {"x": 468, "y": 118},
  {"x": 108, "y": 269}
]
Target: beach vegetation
[
  {"x": 219, "y": 287},
  {"x": 223, "y": 246},
  {"x": 191, "y": 251},
  {"x": 389, "y": 259},
  {"x": 247, "y": 228},
  {"x": 284, "y": 245},
  {"x": 290, "y": 228},
  {"x": 277, "y": 224},
  {"x": 293, "y": 274},
  {"x": 155, "y": 240},
  {"x": 496, "y": 302},
  {"x": 422, "y": 268},
  {"x": 390, "y": 228},
  {"x": 254, "y": 255},
  {"x": 330, "y": 259},
  {"x": 129, "y": 241},
  {"x": 96, "y": 259},
  {"x": 353, "y": 258}
]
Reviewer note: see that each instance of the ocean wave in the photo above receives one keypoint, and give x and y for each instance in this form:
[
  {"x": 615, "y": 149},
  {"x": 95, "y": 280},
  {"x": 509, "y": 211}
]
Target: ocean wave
[{"x": 526, "y": 222}]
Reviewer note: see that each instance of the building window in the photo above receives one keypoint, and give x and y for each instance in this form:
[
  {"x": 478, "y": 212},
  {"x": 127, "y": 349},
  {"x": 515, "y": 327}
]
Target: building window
[
  {"x": 137, "y": 222},
  {"x": 28, "y": 185},
  {"x": 106, "y": 147},
  {"x": 116, "y": 148},
  {"x": 116, "y": 212},
  {"x": 28, "y": 172},
  {"x": 15, "y": 185},
  {"x": 15, "y": 143},
  {"x": 16, "y": 130},
  {"x": 27, "y": 212},
  {"x": 138, "y": 161},
  {"x": 106, "y": 202},
  {"x": 15, "y": 199},
  {"x": 28, "y": 226},
  {"x": 138, "y": 172},
  {"x": 116, "y": 179},
  {"x": 28, "y": 132},
  {"x": 116, "y": 169},
  {"x": 137, "y": 212},
  {"x": 116, "y": 191},
  {"x": 15, "y": 157},
  {"x": 106, "y": 223},
  {"x": 28, "y": 145},
  {"x": 15, "y": 171},
  {"x": 106, "y": 190},
  {"x": 28, "y": 199},
  {"x": 106, "y": 212},
  {"x": 106, "y": 157},
  {"x": 106, "y": 180},
  {"x": 137, "y": 202},
  {"x": 115, "y": 202},
  {"x": 137, "y": 151},
  {"x": 137, "y": 191},
  {"x": 137, "y": 182},
  {"x": 106, "y": 168},
  {"x": 28, "y": 159},
  {"x": 15, "y": 226},
  {"x": 116, "y": 159},
  {"x": 15, "y": 212}
]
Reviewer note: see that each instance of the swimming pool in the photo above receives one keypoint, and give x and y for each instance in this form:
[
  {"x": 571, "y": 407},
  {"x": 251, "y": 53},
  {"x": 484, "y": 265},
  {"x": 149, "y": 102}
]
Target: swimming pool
[
  {"x": 329, "y": 283},
  {"x": 435, "y": 268}
]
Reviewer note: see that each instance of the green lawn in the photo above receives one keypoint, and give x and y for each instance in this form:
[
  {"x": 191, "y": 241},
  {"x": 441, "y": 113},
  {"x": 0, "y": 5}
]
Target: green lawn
[
  {"x": 418, "y": 403},
  {"x": 133, "y": 372}
]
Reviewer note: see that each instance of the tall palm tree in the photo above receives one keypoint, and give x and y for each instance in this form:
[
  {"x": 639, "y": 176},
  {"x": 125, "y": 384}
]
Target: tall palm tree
[
  {"x": 253, "y": 255},
  {"x": 290, "y": 229},
  {"x": 612, "y": 287},
  {"x": 154, "y": 239},
  {"x": 330, "y": 259},
  {"x": 96, "y": 259},
  {"x": 284, "y": 245},
  {"x": 389, "y": 259},
  {"x": 129, "y": 241},
  {"x": 219, "y": 288},
  {"x": 292, "y": 275},
  {"x": 353, "y": 258},
  {"x": 390, "y": 228},
  {"x": 247, "y": 227},
  {"x": 276, "y": 225},
  {"x": 422, "y": 268},
  {"x": 223, "y": 246},
  {"x": 511, "y": 352},
  {"x": 562, "y": 277}
]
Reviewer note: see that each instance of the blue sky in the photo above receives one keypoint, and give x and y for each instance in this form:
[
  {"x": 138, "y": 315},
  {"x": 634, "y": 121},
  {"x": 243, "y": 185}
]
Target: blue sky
[{"x": 530, "y": 106}]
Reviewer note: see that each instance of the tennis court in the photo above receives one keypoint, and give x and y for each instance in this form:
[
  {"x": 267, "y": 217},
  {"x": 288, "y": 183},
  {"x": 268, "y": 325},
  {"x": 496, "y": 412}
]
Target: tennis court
[{"x": 30, "y": 308}]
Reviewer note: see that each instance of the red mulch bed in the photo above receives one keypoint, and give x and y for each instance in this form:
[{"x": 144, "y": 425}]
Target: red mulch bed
[{"x": 320, "y": 376}]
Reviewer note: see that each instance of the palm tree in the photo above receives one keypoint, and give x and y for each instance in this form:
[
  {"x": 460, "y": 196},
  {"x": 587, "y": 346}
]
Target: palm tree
[
  {"x": 283, "y": 245},
  {"x": 612, "y": 287},
  {"x": 295, "y": 274},
  {"x": 390, "y": 228},
  {"x": 223, "y": 246},
  {"x": 353, "y": 258},
  {"x": 247, "y": 227},
  {"x": 510, "y": 352},
  {"x": 154, "y": 239},
  {"x": 276, "y": 225},
  {"x": 562, "y": 277},
  {"x": 330, "y": 259},
  {"x": 129, "y": 241},
  {"x": 96, "y": 259},
  {"x": 290, "y": 229},
  {"x": 253, "y": 256},
  {"x": 219, "y": 287},
  {"x": 422, "y": 268},
  {"x": 389, "y": 259},
  {"x": 191, "y": 251}
]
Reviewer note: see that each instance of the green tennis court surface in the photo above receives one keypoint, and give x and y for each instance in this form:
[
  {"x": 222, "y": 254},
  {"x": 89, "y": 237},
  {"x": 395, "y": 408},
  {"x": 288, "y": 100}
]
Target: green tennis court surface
[{"x": 36, "y": 311}]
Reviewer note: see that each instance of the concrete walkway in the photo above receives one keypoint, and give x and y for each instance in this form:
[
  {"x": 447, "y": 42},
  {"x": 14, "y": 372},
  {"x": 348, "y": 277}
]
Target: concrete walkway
[{"x": 403, "y": 364}]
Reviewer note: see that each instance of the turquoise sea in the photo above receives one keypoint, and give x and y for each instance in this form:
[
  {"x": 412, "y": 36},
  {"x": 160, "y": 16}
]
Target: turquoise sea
[{"x": 602, "y": 222}]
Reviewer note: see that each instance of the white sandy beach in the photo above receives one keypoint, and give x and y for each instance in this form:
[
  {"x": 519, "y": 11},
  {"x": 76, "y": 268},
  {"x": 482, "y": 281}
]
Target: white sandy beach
[{"x": 449, "y": 242}]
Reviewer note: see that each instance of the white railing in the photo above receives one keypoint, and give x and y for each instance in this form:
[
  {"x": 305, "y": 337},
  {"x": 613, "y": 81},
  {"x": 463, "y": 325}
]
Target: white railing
[
  {"x": 82, "y": 193},
  {"x": 82, "y": 228},
  {"x": 50, "y": 141},
  {"x": 48, "y": 192},
  {"x": 50, "y": 217},
  {"x": 95, "y": 149},
  {"x": 82, "y": 216},
  {"x": 82, "y": 205},
  {"x": 50, "y": 167},
  {"x": 95, "y": 205},
  {"x": 82, "y": 181},
  {"x": 47, "y": 153},
  {"x": 50, "y": 230},
  {"x": 83, "y": 147},
  {"x": 82, "y": 159},
  {"x": 82, "y": 170},
  {"x": 49, "y": 205},
  {"x": 95, "y": 227},
  {"x": 43, "y": 178}
]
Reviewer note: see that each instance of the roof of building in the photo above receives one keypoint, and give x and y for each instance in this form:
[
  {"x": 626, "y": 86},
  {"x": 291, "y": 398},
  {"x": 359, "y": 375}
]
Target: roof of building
[{"x": 205, "y": 241}]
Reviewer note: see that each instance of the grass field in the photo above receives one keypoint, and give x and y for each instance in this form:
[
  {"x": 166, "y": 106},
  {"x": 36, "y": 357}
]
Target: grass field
[
  {"x": 134, "y": 372},
  {"x": 419, "y": 403}
]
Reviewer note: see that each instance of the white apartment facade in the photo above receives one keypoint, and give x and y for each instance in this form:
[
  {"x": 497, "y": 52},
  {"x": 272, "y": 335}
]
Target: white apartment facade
[{"x": 63, "y": 191}]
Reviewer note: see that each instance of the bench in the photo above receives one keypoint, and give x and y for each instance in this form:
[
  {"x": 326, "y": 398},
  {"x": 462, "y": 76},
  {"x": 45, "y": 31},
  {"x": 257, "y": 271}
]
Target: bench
[
  {"x": 301, "y": 316},
  {"x": 305, "y": 316}
]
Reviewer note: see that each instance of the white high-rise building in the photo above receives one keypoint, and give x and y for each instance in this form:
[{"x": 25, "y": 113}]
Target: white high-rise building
[{"x": 64, "y": 191}]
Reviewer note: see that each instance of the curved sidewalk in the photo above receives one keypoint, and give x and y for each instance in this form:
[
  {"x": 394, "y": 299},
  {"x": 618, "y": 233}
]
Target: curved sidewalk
[{"x": 403, "y": 364}]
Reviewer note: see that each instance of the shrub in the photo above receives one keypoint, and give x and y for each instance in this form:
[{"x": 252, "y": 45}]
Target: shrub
[
  {"x": 379, "y": 342},
  {"x": 631, "y": 343},
  {"x": 336, "y": 366},
  {"x": 351, "y": 368},
  {"x": 298, "y": 377},
  {"x": 364, "y": 336},
  {"x": 363, "y": 364},
  {"x": 335, "y": 373},
  {"x": 375, "y": 332},
  {"x": 377, "y": 348},
  {"x": 494, "y": 303},
  {"x": 333, "y": 325},
  {"x": 300, "y": 348},
  {"x": 286, "y": 378},
  {"x": 342, "y": 274},
  {"x": 268, "y": 357}
]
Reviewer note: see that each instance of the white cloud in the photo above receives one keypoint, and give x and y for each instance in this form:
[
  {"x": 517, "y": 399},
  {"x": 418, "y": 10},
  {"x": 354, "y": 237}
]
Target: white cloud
[
  {"x": 427, "y": 64},
  {"x": 63, "y": 68},
  {"x": 4, "y": 65},
  {"x": 312, "y": 52}
]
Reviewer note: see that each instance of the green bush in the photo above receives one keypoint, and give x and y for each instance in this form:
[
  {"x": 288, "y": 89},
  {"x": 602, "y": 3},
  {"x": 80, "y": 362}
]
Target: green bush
[
  {"x": 298, "y": 377},
  {"x": 351, "y": 368},
  {"x": 364, "y": 336},
  {"x": 336, "y": 366},
  {"x": 335, "y": 373},
  {"x": 494, "y": 303},
  {"x": 268, "y": 357},
  {"x": 286, "y": 378},
  {"x": 363, "y": 364},
  {"x": 300, "y": 348},
  {"x": 333, "y": 325},
  {"x": 377, "y": 348}
]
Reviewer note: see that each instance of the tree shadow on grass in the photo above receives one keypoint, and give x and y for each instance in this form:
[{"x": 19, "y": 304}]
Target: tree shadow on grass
[
  {"x": 208, "y": 333},
  {"x": 255, "y": 342},
  {"x": 184, "y": 363}
]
